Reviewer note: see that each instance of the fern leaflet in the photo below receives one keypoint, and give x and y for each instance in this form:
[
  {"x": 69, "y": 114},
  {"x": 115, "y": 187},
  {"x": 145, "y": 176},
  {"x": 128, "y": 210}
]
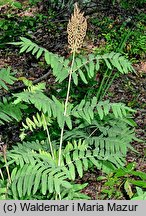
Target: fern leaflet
[
  {"x": 6, "y": 77},
  {"x": 10, "y": 111}
]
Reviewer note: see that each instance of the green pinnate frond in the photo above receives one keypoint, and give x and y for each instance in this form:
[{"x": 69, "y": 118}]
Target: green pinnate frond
[
  {"x": 27, "y": 45},
  {"x": 6, "y": 77},
  {"x": 35, "y": 98},
  {"x": 30, "y": 152},
  {"x": 52, "y": 107},
  {"x": 42, "y": 177},
  {"x": 110, "y": 139},
  {"x": 87, "y": 67},
  {"x": 102, "y": 156},
  {"x": 119, "y": 62},
  {"x": 39, "y": 176},
  {"x": 37, "y": 171},
  {"x": 84, "y": 67},
  {"x": 87, "y": 110},
  {"x": 78, "y": 161}
]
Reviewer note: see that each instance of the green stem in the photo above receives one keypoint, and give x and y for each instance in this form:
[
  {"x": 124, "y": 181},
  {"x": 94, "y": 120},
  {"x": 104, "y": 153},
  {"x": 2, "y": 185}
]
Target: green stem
[
  {"x": 65, "y": 108},
  {"x": 105, "y": 88},
  {"x": 7, "y": 168},
  {"x": 1, "y": 174},
  {"x": 101, "y": 85},
  {"x": 49, "y": 140},
  {"x": 125, "y": 38},
  {"x": 109, "y": 84}
]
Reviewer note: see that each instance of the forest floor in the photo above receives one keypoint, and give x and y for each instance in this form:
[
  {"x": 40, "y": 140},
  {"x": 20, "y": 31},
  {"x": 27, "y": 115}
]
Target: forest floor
[{"x": 129, "y": 89}]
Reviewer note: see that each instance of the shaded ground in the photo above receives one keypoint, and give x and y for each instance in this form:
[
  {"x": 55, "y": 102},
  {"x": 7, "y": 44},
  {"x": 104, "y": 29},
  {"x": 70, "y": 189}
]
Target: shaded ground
[{"x": 129, "y": 89}]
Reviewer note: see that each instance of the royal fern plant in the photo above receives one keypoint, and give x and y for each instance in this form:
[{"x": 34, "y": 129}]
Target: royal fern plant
[{"x": 92, "y": 133}]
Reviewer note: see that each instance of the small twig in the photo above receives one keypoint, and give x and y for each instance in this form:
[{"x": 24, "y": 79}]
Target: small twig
[
  {"x": 34, "y": 81},
  {"x": 15, "y": 89},
  {"x": 42, "y": 77}
]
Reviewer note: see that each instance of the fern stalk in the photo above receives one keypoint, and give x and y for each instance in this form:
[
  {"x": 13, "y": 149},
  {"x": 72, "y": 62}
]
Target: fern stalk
[
  {"x": 103, "y": 88},
  {"x": 1, "y": 174},
  {"x": 108, "y": 84},
  {"x": 76, "y": 30},
  {"x": 98, "y": 96},
  {"x": 49, "y": 140},
  {"x": 7, "y": 168},
  {"x": 65, "y": 108}
]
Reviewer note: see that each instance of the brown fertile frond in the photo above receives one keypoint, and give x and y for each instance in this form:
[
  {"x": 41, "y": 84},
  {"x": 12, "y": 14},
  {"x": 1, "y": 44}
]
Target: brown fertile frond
[{"x": 76, "y": 29}]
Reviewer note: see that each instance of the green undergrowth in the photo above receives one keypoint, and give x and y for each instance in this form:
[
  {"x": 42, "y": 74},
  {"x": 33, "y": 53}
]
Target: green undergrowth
[
  {"x": 3, "y": 2},
  {"x": 121, "y": 35},
  {"x": 124, "y": 182}
]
